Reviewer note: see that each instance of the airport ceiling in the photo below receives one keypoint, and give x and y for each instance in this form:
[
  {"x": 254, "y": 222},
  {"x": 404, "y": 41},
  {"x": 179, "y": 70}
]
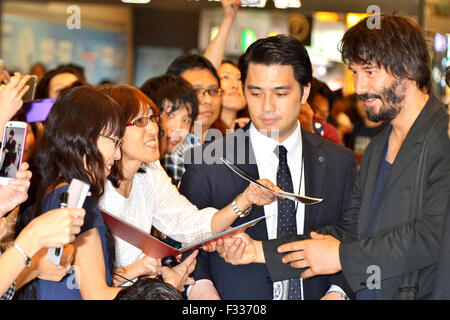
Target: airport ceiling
[{"x": 409, "y": 7}]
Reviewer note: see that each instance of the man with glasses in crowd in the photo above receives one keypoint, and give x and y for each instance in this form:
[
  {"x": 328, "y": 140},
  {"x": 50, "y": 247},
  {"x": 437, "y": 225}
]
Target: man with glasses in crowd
[{"x": 203, "y": 77}]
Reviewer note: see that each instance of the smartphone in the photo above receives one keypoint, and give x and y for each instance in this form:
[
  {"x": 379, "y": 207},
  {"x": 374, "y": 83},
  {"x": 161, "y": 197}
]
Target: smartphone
[
  {"x": 12, "y": 149},
  {"x": 38, "y": 110},
  {"x": 29, "y": 95}
]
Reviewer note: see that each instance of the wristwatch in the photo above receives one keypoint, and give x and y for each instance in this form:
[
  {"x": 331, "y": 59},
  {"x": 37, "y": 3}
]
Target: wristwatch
[
  {"x": 239, "y": 212},
  {"x": 343, "y": 295},
  {"x": 27, "y": 258}
]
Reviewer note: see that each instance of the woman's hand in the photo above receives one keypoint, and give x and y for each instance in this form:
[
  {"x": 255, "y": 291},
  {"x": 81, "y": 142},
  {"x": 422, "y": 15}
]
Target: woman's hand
[
  {"x": 148, "y": 266},
  {"x": 3, "y": 228},
  {"x": 46, "y": 270},
  {"x": 16, "y": 191},
  {"x": 11, "y": 96},
  {"x": 255, "y": 194},
  {"x": 52, "y": 229},
  {"x": 230, "y": 7}
]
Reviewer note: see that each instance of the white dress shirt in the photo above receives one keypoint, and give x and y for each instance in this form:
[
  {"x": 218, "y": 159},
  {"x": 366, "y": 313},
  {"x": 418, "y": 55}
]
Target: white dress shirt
[{"x": 267, "y": 162}]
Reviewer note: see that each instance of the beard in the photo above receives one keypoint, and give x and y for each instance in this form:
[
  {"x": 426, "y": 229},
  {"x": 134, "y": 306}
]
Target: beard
[{"x": 391, "y": 102}]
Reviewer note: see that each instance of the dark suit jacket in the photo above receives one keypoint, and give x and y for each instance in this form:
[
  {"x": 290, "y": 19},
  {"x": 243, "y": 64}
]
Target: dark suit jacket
[
  {"x": 403, "y": 242},
  {"x": 329, "y": 174}
]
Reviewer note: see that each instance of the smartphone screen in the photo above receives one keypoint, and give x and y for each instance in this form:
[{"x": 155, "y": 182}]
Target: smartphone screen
[
  {"x": 38, "y": 110},
  {"x": 12, "y": 149}
]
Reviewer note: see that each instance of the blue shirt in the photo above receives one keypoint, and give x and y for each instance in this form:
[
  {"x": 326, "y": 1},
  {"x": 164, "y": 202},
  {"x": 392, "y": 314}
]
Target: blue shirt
[
  {"x": 67, "y": 288},
  {"x": 383, "y": 173}
]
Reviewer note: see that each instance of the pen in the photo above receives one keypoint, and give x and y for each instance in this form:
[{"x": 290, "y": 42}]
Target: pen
[{"x": 62, "y": 204}]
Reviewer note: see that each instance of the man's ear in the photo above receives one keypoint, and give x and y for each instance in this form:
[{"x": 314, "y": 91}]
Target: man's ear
[{"x": 306, "y": 90}]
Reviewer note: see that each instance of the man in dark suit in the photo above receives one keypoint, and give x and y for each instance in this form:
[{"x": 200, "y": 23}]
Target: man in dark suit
[
  {"x": 276, "y": 73},
  {"x": 388, "y": 241}
]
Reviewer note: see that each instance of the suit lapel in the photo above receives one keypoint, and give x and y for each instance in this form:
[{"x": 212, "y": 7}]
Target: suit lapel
[
  {"x": 407, "y": 155},
  {"x": 315, "y": 162},
  {"x": 241, "y": 153},
  {"x": 411, "y": 146}
]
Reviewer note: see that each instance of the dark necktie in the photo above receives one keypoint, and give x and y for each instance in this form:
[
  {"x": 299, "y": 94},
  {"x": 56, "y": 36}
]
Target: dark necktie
[{"x": 287, "y": 224}]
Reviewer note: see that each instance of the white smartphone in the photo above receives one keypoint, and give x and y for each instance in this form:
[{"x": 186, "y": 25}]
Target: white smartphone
[
  {"x": 12, "y": 149},
  {"x": 73, "y": 198}
]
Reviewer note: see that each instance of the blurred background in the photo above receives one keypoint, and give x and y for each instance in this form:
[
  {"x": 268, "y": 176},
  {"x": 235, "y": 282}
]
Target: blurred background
[{"x": 129, "y": 42}]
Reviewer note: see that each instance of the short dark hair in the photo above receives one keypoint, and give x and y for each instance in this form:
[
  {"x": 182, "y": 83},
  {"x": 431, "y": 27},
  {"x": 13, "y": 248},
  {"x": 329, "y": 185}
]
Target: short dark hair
[
  {"x": 398, "y": 46},
  {"x": 230, "y": 62},
  {"x": 190, "y": 62},
  {"x": 132, "y": 101},
  {"x": 149, "y": 289},
  {"x": 173, "y": 89},
  {"x": 279, "y": 50},
  {"x": 321, "y": 88},
  {"x": 11, "y": 133}
]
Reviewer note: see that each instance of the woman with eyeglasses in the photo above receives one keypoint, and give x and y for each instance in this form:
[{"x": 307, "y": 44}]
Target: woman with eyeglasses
[
  {"x": 82, "y": 140},
  {"x": 140, "y": 192}
]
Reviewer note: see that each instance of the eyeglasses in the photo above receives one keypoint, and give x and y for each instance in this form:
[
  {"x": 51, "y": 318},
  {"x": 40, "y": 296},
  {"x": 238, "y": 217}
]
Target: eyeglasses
[
  {"x": 117, "y": 142},
  {"x": 214, "y": 92},
  {"x": 143, "y": 121}
]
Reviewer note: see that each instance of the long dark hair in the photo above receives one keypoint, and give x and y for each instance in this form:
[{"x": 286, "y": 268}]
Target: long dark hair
[
  {"x": 68, "y": 145},
  {"x": 42, "y": 89}
]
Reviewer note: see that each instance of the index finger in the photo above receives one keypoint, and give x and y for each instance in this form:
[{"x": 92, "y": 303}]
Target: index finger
[
  {"x": 22, "y": 82},
  {"x": 291, "y": 246},
  {"x": 76, "y": 212},
  {"x": 24, "y": 166}
]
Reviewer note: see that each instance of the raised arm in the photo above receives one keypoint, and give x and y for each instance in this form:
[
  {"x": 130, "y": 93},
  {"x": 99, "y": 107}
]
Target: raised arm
[
  {"x": 52, "y": 229},
  {"x": 216, "y": 48}
]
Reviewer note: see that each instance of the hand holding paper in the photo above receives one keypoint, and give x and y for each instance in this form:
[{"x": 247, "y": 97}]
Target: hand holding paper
[
  {"x": 154, "y": 247},
  {"x": 240, "y": 249},
  {"x": 285, "y": 195}
]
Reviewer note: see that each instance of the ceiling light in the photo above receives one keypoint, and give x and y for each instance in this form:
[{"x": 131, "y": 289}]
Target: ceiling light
[
  {"x": 284, "y": 4},
  {"x": 136, "y": 1}
]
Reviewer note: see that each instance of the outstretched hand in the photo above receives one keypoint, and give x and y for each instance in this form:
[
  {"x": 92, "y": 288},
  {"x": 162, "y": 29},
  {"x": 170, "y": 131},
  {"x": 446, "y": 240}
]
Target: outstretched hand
[
  {"x": 237, "y": 250},
  {"x": 255, "y": 194},
  {"x": 240, "y": 249},
  {"x": 320, "y": 255}
]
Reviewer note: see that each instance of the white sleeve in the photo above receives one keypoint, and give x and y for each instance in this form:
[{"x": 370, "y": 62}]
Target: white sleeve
[{"x": 173, "y": 214}]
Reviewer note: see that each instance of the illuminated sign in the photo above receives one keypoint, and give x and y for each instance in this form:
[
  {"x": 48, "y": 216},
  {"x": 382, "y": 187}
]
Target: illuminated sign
[{"x": 248, "y": 36}]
